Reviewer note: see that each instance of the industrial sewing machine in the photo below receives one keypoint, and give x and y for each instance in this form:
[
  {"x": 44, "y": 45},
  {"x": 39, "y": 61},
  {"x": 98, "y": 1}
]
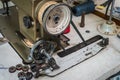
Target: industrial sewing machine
[{"x": 35, "y": 29}]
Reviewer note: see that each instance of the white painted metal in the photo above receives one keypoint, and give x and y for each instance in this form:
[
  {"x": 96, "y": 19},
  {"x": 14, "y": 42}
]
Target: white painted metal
[{"x": 75, "y": 57}]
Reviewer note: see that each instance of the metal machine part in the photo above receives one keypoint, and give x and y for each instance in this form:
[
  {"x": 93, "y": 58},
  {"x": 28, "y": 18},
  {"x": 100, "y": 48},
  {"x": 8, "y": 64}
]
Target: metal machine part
[
  {"x": 29, "y": 75},
  {"x": 41, "y": 53},
  {"x": 109, "y": 27},
  {"x": 27, "y": 21},
  {"x": 82, "y": 45},
  {"x": 82, "y": 23},
  {"x": 77, "y": 54},
  {"x": 19, "y": 66},
  {"x": 56, "y": 17},
  {"x": 12, "y": 69},
  {"x": 25, "y": 68},
  {"x": 42, "y": 45},
  {"x": 21, "y": 76}
]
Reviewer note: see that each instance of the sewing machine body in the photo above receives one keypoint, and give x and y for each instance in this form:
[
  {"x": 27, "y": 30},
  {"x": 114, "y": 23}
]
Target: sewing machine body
[
  {"x": 28, "y": 8},
  {"x": 15, "y": 23}
]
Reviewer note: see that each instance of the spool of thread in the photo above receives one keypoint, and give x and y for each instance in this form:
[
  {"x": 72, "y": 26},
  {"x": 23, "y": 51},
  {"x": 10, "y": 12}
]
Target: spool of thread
[{"x": 86, "y": 7}]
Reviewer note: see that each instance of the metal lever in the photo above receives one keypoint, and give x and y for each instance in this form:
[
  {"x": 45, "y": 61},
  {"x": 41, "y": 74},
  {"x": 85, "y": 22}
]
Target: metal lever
[
  {"x": 82, "y": 24},
  {"x": 78, "y": 32}
]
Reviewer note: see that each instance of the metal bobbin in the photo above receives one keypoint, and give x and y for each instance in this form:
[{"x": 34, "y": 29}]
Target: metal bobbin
[
  {"x": 19, "y": 66},
  {"x": 25, "y": 68},
  {"x": 12, "y": 69}
]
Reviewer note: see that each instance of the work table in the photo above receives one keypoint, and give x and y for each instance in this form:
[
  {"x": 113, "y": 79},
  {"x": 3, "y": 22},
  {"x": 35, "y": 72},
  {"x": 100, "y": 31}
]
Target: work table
[{"x": 99, "y": 67}]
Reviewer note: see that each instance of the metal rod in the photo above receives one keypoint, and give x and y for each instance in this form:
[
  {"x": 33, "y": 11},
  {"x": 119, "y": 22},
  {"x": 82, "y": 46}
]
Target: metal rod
[
  {"x": 78, "y": 32},
  {"x": 111, "y": 12},
  {"x": 82, "y": 23},
  {"x": 7, "y": 8}
]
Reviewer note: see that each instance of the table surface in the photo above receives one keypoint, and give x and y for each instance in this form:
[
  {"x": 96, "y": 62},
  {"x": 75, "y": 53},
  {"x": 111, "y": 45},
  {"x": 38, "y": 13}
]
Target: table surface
[{"x": 99, "y": 67}]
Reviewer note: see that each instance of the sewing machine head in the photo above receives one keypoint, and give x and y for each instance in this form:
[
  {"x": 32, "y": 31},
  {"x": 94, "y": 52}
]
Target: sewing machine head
[
  {"x": 36, "y": 17},
  {"x": 41, "y": 19}
]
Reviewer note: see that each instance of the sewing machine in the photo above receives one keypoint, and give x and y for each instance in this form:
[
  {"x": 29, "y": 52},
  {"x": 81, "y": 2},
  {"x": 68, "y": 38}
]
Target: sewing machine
[{"x": 36, "y": 28}]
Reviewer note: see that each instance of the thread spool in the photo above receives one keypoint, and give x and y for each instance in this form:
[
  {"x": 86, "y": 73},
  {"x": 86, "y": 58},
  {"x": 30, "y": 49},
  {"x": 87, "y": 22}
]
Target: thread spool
[{"x": 86, "y": 7}]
